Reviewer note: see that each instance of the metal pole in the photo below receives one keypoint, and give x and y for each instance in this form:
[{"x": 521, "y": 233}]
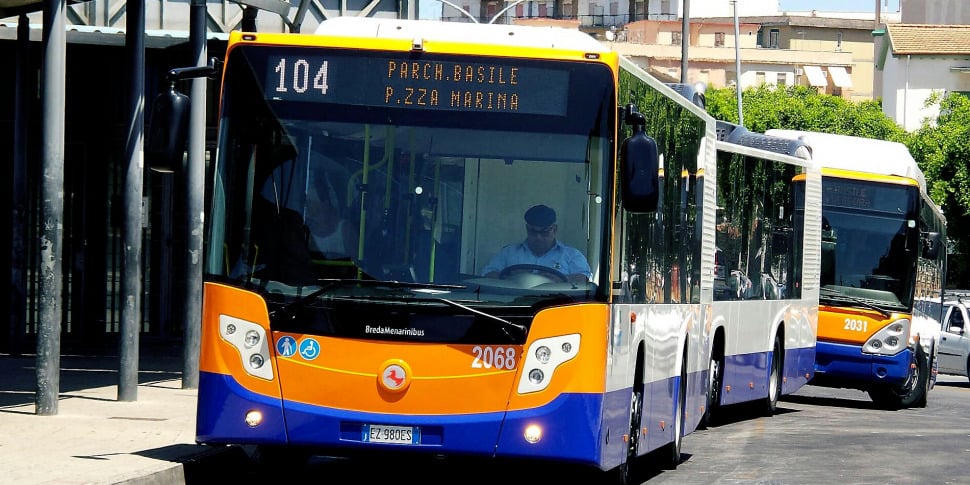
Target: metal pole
[
  {"x": 135, "y": 150},
  {"x": 684, "y": 41},
  {"x": 18, "y": 192},
  {"x": 194, "y": 192},
  {"x": 248, "y": 23},
  {"x": 52, "y": 210},
  {"x": 737, "y": 62},
  {"x": 878, "y": 17}
]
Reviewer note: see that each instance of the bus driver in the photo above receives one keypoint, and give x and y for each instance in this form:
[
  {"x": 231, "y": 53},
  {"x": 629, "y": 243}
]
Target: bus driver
[{"x": 541, "y": 248}]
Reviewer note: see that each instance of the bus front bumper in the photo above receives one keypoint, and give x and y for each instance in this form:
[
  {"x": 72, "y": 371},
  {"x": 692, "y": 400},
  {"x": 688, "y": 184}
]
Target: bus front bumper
[
  {"x": 839, "y": 364},
  {"x": 570, "y": 425}
]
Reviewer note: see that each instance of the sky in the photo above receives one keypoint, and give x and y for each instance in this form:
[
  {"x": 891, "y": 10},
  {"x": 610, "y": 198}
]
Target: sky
[
  {"x": 789, "y": 5},
  {"x": 839, "y": 5}
]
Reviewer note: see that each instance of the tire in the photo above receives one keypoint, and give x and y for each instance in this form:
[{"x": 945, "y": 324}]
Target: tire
[
  {"x": 775, "y": 376},
  {"x": 912, "y": 393},
  {"x": 621, "y": 474},
  {"x": 715, "y": 380},
  {"x": 929, "y": 371},
  {"x": 672, "y": 451}
]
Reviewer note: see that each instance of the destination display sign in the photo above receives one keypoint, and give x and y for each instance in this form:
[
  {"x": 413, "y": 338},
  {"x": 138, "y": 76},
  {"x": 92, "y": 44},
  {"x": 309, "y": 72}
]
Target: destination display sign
[
  {"x": 498, "y": 86},
  {"x": 847, "y": 195},
  {"x": 858, "y": 194}
]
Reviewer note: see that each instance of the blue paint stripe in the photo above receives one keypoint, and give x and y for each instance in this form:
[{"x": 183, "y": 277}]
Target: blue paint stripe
[
  {"x": 847, "y": 362},
  {"x": 221, "y": 411},
  {"x": 571, "y": 425},
  {"x": 743, "y": 369}
]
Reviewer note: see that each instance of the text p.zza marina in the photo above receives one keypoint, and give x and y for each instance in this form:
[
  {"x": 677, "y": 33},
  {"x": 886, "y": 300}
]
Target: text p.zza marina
[{"x": 500, "y": 87}]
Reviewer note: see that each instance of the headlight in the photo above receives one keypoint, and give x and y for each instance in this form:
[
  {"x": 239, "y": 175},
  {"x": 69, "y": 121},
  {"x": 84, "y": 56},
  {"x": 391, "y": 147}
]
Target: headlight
[
  {"x": 542, "y": 354},
  {"x": 250, "y": 341},
  {"x": 536, "y": 376},
  {"x": 887, "y": 341},
  {"x": 542, "y": 359}
]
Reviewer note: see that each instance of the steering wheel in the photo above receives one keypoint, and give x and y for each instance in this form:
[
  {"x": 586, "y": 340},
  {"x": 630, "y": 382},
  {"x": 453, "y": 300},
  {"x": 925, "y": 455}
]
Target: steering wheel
[{"x": 546, "y": 271}]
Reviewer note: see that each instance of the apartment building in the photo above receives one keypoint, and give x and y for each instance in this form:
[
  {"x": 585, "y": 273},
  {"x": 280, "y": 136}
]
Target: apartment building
[
  {"x": 834, "y": 55},
  {"x": 916, "y": 60}
]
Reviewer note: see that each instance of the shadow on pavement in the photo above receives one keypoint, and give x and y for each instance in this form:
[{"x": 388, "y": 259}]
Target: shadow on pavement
[
  {"x": 234, "y": 464},
  {"x": 955, "y": 385},
  {"x": 736, "y": 413},
  {"x": 223, "y": 465},
  {"x": 834, "y": 402},
  {"x": 78, "y": 373}
]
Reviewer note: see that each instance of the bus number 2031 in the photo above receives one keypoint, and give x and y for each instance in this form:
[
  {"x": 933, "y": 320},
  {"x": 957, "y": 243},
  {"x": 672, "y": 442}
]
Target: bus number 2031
[
  {"x": 498, "y": 357},
  {"x": 855, "y": 325}
]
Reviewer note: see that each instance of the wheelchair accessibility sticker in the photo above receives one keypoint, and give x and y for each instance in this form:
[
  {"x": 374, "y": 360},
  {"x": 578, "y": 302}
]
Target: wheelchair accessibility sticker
[{"x": 309, "y": 348}]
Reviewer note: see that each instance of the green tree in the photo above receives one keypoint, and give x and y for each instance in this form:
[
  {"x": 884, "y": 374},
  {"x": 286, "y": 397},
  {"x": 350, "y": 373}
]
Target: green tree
[
  {"x": 942, "y": 148},
  {"x": 802, "y": 108}
]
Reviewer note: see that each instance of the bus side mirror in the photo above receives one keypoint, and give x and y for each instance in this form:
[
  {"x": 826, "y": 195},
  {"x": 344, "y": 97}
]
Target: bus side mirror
[
  {"x": 639, "y": 167},
  {"x": 165, "y": 145},
  {"x": 931, "y": 245}
]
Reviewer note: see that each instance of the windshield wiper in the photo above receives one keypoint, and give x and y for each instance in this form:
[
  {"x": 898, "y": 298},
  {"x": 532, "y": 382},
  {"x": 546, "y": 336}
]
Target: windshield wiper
[
  {"x": 505, "y": 323},
  {"x": 328, "y": 284},
  {"x": 837, "y": 295}
]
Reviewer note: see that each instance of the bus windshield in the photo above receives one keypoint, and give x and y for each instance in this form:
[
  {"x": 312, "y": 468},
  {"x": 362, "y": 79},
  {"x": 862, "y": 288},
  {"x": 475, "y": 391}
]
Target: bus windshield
[
  {"x": 869, "y": 242},
  {"x": 375, "y": 166}
]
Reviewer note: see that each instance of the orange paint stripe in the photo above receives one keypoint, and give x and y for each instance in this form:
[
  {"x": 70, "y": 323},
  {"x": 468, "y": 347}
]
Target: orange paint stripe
[
  {"x": 849, "y": 325},
  {"x": 217, "y": 355},
  {"x": 444, "y": 378}
]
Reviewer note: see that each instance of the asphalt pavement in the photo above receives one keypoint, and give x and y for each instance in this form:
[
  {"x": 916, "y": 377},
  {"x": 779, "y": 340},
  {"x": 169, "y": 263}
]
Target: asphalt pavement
[{"x": 94, "y": 438}]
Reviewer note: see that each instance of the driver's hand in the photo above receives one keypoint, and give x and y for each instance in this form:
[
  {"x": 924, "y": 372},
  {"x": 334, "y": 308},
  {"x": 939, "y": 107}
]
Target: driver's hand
[{"x": 578, "y": 278}]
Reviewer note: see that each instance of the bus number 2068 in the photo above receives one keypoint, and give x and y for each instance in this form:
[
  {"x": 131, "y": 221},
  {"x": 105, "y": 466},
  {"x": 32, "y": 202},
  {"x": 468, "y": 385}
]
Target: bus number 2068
[{"x": 498, "y": 357}]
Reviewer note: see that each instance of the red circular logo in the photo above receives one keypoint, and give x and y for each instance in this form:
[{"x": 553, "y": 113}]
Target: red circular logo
[{"x": 395, "y": 376}]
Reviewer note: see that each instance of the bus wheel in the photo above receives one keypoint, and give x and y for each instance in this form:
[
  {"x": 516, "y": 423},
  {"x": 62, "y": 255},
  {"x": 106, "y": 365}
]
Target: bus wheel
[
  {"x": 621, "y": 474},
  {"x": 671, "y": 456},
  {"x": 715, "y": 379},
  {"x": 930, "y": 368},
  {"x": 774, "y": 378},
  {"x": 909, "y": 394}
]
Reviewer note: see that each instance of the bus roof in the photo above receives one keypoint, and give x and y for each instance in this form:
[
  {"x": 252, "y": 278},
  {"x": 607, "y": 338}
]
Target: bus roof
[
  {"x": 494, "y": 34},
  {"x": 858, "y": 153}
]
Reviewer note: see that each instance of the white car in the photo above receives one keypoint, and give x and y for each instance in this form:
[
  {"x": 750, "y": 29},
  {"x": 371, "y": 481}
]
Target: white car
[{"x": 954, "y": 350}]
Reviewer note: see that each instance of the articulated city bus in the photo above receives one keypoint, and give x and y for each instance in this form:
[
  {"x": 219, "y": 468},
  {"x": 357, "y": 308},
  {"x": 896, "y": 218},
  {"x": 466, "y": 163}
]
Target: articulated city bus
[
  {"x": 368, "y": 175},
  {"x": 766, "y": 271},
  {"x": 883, "y": 269}
]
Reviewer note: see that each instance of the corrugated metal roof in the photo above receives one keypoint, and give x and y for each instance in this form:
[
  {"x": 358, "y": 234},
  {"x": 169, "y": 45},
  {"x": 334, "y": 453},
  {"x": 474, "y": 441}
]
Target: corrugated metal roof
[
  {"x": 926, "y": 39},
  {"x": 12, "y": 8},
  {"x": 100, "y": 35}
]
